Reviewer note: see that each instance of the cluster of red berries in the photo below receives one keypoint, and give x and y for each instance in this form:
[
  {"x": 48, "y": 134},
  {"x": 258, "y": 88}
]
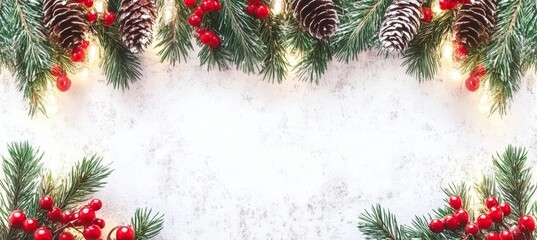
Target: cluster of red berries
[
  {"x": 257, "y": 9},
  {"x": 472, "y": 82},
  {"x": 79, "y": 52},
  {"x": 496, "y": 214},
  {"x": 451, "y": 4},
  {"x": 63, "y": 83},
  {"x": 91, "y": 15},
  {"x": 85, "y": 218},
  {"x": 427, "y": 14},
  {"x": 206, "y": 36},
  {"x": 460, "y": 52}
]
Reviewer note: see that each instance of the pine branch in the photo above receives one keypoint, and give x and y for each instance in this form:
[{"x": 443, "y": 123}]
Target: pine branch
[
  {"x": 219, "y": 57},
  {"x": 146, "y": 225},
  {"x": 120, "y": 66},
  {"x": 486, "y": 188},
  {"x": 85, "y": 178},
  {"x": 528, "y": 29},
  {"x": 359, "y": 27},
  {"x": 514, "y": 179},
  {"x": 420, "y": 230},
  {"x": 21, "y": 171},
  {"x": 315, "y": 61},
  {"x": 422, "y": 55},
  {"x": 275, "y": 63},
  {"x": 173, "y": 38},
  {"x": 381, "y": 224}
]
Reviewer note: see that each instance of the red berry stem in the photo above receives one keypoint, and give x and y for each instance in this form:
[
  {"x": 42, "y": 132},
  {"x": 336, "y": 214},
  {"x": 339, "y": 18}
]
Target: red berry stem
[
  {"x": 69, "y": 225},
  {"x": 112, "y": 231}
]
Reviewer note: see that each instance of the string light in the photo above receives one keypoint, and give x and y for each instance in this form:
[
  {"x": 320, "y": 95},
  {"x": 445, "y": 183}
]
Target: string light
[
  {"x": 93, "y": 53},
  {"x": 292, "y": 58},
  {"x": 485, "y": 98},
  {"x": 277, "y": 7},
  {"x": 169, "y": 14},
  {"x": 455, "y": 75},
  {"x": 435, "y": 8},
  {"x": 83, "y": 73},
  {"x": 99, "y": 6},
  {"x": 447, "y": 51}
]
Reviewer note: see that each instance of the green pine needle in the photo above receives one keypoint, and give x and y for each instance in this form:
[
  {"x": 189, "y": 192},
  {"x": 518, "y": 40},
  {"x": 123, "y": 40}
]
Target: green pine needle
[
  {"x": 275, "y": 63},
  {"x": 380, "y": 224},
  {"x": 173, "y": 38},
  {"x": 146, "y": 225}
]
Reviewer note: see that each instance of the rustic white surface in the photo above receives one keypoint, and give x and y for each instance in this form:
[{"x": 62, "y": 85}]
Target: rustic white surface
[{"x": 228, "y": 156}]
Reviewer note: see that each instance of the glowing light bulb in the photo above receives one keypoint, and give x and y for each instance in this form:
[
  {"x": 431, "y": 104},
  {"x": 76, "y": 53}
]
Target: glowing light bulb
[
  {"x": 435, "y": 8},
  {"x": 83, "y": 73},
  {"x": 169, "y": 14},
  {"x": 277, "y": 7},
  {"x": 93, "y": 53},
  {"x": 455, "y": 75},
  {"x": 447, "y": 51},
  {"x": 99, "y": 6},
  {"x": 292, "y": 58}
]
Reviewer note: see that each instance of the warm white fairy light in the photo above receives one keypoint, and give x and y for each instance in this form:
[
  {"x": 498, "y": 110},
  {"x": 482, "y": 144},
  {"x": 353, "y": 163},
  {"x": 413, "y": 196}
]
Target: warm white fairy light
[
  {"x": 99, "y": 6},
  {"x": 292, "y": 58},
  {"x": 83, "y": 73},
  {"x": 169, "y": 14},
  {"x": 455, "y": 75},
  {"x": 93, "y": 53},
  {"x": 435, "y": 8},
  {"x": 485, "y": 98},
  {"x": 277, "y": 7},
  {"x": 447, "y": 51}
]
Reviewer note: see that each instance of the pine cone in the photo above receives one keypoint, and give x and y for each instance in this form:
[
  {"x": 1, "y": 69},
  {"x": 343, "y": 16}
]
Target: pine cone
[
  {"x": 475, "y": 22},
  {"x": 401, "y": 23},
  {"x": 65, "y": 22},
  {"x": 136, "y": 21},
  {"x": 318, "y": 17}
]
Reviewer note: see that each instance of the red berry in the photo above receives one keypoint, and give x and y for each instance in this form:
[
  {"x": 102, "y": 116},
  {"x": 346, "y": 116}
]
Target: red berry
[
  {"x": 66, "y": 236},
  {"x": 55, "y": 214},
  {"x": 79, "y": 1},
  {"x": 96, "y": 204},
  {"x": 480, "y": 71},
  {"x": 471, "y": 229},
  {"x": 496, "y": 214},
  {"x": 451, "y": 222},
  {"x": 200, "y": 31},
  {"x": 99, "y": 222},
  {"x": 208, "y": 5},
  {"x": 472, "y": 83},
  {"x": 92, "y": 16},
  {"x": 42, "y": 233},
  {"x": 251, "y": 9},
  {"x": 78, "y": 55},
  {"x": 109, "y": 18},
  {"x": 217, "y": 6},
  {"x": 493, "y": 236},
  {"x": 491, "y": 202},
  {"x": 88, "y": 3},
  {"x": 125, "y": 233},
  {"x": 190, "y": 3},
  {"x": 206, "y": 37},
  {"x": 67, "y": 216},
  {"x": 517, "y": 234},
  {"x": 444, "y": 4},
  {"x": 506, "y": 235},
  {"x": 465, "y": 1},
  {"x": 436, "y": 226},
  {"x": 84, "y": 44},
  {"x": 30, "y": 225},
  {"x": 86, "y": 215},
  {"x": 462, "y": 216},
  {"x": 63, "y": 83},
  {"x": 194, "y": 20},
  {"x": 215, "y": 42},
  {"x": 427, "y": 14},
  {"x": 460, "y": 53},
  {"x": 46, "y": 202},
  {"x": 56, "y": 71},
  {"x": 452, "y": 4},
  {"x": 526, "y": 222},
  {"x": 92, "y": 232},
  {"x": 484, "y": 221},
  {"x": 262, "y": 12},
  {"x": 199, "y": 12},
  {"x": 455, "y": 202},
  {"x": 17, "y": 218}
]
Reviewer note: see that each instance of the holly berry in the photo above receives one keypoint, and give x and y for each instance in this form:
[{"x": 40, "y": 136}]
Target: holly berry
[
  {"x": 493, "y": 236},
  {"x": 251, "y": 9},
  {"x": 484, "y": 221},
  {"x": 66, "y": 236},
  {"x": 427, "y": 14},
  {"x": 190, "y": 3},
  {"x": 208, "y": 5},
  {"x": 206, "y": 37},
  {"x": 447, "y": 4},
  {"x": 200, "y": 31},
  {"x": 86, "y": 215},
  {"x": 480, "y": 71},
  {"x": 92, "y": 232},
  {"x": 56, "y": 71},
  {"x": 96, "y": 204},
  {"x": 194, "y": 20},
  {"x": 42, "y": 233},
  {"x": 455, "y": 202},
  {"x": 84, "y": 44},
  {"x": 78, "y": 55},
  {"x": 262, "y": 12},
  {"x": 88, "y": 3},
  {"x": 506, "y": 235},
  {"x": 199, "y": 12},
  {"x": 99, "y": 222},
  {"x": 472, "y": 84},
  {"x": 217, "y": 6},
  {"x": 436, "y": 226},
  {"x": 506, "y": 209},
  {"x": 451, "y": 222},
  {"x": 496, "y": 214},
  {"x": 125, "y": 233},
  {"x": 63, "y": 83},
  {"x": 491, "y": 202},
  {"x": 46, "y": 202},
  {"x": 67, "y": 216},
  {"x": 471, "y": 229},
  {"x": 465, "y": 1},
  {"x": 215, "y": 42},
  {"x": 460, "y": 53},
  {"x": 92, "y": 16},
  {"x": 55, "y": 214},
  {"x": 17, "y": 218},
  {"x": 517, "y": 234},
  {"x": 462, "y": 216},
  {"x": 526, "y": 222},
  {"x": 109, "y": 18},
  {"x": 30, "y": 225}
]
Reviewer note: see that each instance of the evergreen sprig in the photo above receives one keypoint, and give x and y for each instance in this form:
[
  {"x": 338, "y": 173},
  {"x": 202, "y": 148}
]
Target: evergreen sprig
[
  {"x": 380, "y": 224},
  {"x": 275, "y": 64},
  {"x": 173, "y": 38},
  {"x": 146, "y": 224}
]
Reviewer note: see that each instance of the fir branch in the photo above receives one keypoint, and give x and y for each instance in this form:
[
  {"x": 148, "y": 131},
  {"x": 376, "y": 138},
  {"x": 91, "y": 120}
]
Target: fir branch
[
  {"x": 359, "y": 28},
  {"x": 422, "y": 55},
  {"x": 380, "y": 224},
  {"x": 120, "y": 66},
  {"x": 514, "y": 179},
  {"x": 462, "y": 190},
  {"x": 315, "y": 61},
  {"x": 420, "y": 230},
  {"x": 21, "y": 171},
  {"x": 275, "y": 63},
  {"x": 173, "y": 38},
  {"x": 85, "y": 178},
  {"x": 486, "y": 188},
  {"x": 298, "y": 39},
  {"x": 146, "y": 225}
]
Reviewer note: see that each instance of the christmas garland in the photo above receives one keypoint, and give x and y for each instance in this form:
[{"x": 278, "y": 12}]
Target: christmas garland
[
  {"x": 506, "y": 211},
  {"x": 494, "y": 42},
  {"x": 35, "y": 206}
]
